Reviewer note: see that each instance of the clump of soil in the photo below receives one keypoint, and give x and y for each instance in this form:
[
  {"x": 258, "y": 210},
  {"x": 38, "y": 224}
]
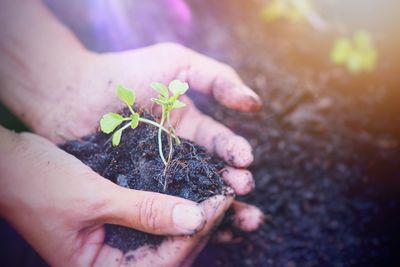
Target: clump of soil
[{"x": 136, "y": 164}]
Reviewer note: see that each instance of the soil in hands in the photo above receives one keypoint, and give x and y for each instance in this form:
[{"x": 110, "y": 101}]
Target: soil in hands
[{"x": 136, "y": 164}]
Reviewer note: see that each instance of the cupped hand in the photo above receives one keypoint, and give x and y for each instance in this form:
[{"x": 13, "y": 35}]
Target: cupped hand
[
  {"x": 92, "y": 94},
  {"x": 65, "y": 206}
]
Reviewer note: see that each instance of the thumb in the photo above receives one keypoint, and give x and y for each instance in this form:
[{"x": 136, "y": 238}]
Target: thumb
[{"x": 153, "y": 212}]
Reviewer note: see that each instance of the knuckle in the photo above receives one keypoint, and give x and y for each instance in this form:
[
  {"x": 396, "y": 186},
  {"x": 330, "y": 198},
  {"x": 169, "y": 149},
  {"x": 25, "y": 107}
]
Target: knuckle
[{"x": 148, "y": 214}]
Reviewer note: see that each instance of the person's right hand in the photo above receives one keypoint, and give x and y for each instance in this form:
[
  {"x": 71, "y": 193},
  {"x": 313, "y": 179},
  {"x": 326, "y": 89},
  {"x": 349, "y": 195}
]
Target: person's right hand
[{"x": 60, "y": 206}]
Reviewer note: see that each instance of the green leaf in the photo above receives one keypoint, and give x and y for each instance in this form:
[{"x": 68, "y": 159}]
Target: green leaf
[
  {"x": 370, "y": 58},
  {"x": 126, "y": 95},
  {"x": 362, "y": 40},
  {"x": 160, "y": 88},
  {"x": 116, "y": 139},
  {"x": 273, "y": 11},
  {"x": 110, "y": 121},
  {"x": 178, "y": 104},
  {"x": 293, "y": 10},
  {"x": 341, "y": 51},
  {"x": 358, "y": 53},
  {"x": 177, "y": 87},
  {"x": 134, "y": 120},
  {"x": 159, "y": 101},
  {"x": 355, "y": 63}
]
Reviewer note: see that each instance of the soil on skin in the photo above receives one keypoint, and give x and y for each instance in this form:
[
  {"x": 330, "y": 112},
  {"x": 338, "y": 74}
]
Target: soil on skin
[{"x": 135, "y": 163}]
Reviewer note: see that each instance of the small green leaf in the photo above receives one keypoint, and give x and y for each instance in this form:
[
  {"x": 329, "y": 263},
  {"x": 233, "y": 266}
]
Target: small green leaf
[
  {"x": 341, "y": 51},
  {"x": 177, "y": 87},
  {"x": 362, "y": 40},
  {"x": 116, "y": 139},
  {"x": 355, "y": 62},
  {"x": 273, "y": 11},
  {"x": 159, "y": 101},
  {"x": 292, "y": 10},
  {"x": 178, "y": 104},
  {"x": 126, "y": 95},
  {"x": 134, "y": 120},
  {"x": 110, "y": 121},
  {"x": 160, "y": 88},
  {"x": 370, "y": 58}
]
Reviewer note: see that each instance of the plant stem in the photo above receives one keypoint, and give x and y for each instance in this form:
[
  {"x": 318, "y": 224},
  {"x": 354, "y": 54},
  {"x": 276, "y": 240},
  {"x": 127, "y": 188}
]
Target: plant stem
[
  {"x": 160, "y": 140},
  {"x": 171, "y": 147},
  {"x": 130, "y": 109},
  {"x": 125, "y": 126},
  {"x": 159, "y": 126}
]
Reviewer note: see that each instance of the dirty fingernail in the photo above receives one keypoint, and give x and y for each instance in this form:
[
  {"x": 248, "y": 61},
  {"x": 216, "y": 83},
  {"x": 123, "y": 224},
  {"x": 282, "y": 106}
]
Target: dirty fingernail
[
  {"x": 255, "y": 102},
  {"x": 188, "y": 217}
]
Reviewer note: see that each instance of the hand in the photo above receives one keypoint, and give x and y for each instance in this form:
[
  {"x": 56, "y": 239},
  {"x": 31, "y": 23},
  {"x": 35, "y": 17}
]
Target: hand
[
  {"x": 95, "y": 96},
  {"x": 84, "y": 102},
  {"x": 66, "y": 205}
]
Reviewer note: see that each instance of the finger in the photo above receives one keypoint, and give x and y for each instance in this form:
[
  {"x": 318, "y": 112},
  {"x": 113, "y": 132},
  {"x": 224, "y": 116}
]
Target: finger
[
  {"x": 241, "y": 181},
  {"x": 210, "y": 76},
  {"x": 190, "y": 258},
  {"x": 247, "y": 217},
  {"x": 175, "y": 251},
  {"x": 217, "y": 138},
  {"x": 108, "y": 257},
  {"x": 151, "y": 212},
  {"x": 203, "y": 238},
  {"x": 226, "y": 237}
]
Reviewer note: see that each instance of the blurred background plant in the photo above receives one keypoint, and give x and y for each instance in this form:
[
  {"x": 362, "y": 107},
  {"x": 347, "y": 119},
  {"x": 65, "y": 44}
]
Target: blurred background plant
[
  {"x": 357, "y": 53},
  {"x": 294, "y": 11}
]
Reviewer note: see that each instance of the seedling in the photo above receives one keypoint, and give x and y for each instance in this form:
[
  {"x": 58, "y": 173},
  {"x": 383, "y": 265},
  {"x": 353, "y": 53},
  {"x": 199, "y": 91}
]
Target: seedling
[
  {"x": 357, "y": 54},
  {"x": 168, "y": 102},
  {"x": 110, "y": 121}
]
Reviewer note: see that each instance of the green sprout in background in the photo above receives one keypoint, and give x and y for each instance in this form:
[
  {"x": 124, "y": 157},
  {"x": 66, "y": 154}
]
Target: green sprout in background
[
  {"x": 292, "y": 10},
  {"x": 357, "y": 54}
]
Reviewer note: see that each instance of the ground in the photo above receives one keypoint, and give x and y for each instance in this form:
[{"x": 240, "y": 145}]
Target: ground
[{"x": 326, "y": 143}]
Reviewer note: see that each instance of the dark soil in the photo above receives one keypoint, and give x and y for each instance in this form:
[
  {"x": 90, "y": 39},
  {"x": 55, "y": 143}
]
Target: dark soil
[
  {"x": 136, "y": 164},
  {"x": 326, "y": 144}
]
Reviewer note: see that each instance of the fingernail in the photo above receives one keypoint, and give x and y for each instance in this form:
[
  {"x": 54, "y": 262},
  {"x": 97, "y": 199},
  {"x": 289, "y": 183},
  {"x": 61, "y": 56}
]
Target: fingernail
[
  {"x": 249, "y": 92},
  {"x": 188, "y": 217},
  {"x": 255, "y": 102}
]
